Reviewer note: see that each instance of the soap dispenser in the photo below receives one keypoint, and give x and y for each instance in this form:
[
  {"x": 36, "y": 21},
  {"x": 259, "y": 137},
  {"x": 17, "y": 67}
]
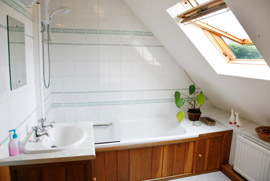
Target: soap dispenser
[{"x": 14, "y": 143}]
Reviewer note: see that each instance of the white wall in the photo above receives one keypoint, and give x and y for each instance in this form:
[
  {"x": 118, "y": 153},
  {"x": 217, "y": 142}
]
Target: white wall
[
  {"x": 107, "y": 66},
  {"x": 17, "y": 107},
  {"x": 250, "y": 97}
]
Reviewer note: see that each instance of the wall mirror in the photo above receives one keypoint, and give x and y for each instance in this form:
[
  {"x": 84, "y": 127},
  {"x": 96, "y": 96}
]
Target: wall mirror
[{"x": 16, "y": 51}]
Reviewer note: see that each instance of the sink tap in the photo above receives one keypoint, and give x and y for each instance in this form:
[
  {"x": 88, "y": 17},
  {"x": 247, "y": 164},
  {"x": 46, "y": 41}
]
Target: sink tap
[
  {"x": 43, "y": 126},
  {"x": 38, "y": 135}
]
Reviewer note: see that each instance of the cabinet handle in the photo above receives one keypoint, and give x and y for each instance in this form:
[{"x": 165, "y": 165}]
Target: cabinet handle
[{"x": 200, "y": 155}]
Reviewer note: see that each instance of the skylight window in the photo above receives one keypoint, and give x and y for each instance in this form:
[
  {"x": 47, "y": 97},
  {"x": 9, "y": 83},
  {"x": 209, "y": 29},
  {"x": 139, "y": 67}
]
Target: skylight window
[
  {"x": 246, "y": 52},
  {"x": 223, "y": 29}
]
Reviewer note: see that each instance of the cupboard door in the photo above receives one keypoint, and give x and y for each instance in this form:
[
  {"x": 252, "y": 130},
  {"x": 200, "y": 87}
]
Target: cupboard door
[
  {"x": 215, "y": 151},
  {"x": 76, "y": 173},
  {"x": 4, "y": 174},
  {"x": 201, "y": 157},
  {"x": 53, "y": 174},
  {"x": 27, "y": 174},
  {"x": 99, "y": 166}
]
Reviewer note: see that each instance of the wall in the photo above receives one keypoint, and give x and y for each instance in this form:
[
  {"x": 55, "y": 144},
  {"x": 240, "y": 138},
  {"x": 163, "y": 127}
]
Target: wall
[
  {"x": 107, "y": 66},
  {"x": 17, "y": 107},
  {"x": 249, "y": 97}
]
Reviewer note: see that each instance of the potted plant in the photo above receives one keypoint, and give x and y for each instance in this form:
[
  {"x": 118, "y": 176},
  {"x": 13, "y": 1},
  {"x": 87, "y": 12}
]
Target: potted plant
[{"x": 195, "y": 99}]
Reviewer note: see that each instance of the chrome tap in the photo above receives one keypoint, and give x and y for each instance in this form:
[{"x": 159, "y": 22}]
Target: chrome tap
[
  {"x": 37, "y": 135},
  {"x": 43, "y": 126}
]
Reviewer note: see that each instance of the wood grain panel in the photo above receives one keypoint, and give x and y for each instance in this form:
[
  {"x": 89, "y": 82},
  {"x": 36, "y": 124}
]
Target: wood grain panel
[
  {"x": 99, "y": 166},
  {"x": 135, "y": 164},
  {"x": 215, "y": 152},
  {"x": 53, "y": 174},
  {"x": 123, "y": 165},
  {"x": 189, "y": 156},
  {"x": 226, "y": 148},
  {"x": 157, "y": 158},
  {"x": 179, "y": 158},
  {"x": 4, "y": 174},
  {"x": 27, "y": 174},
  {"x": 76, "y": 173},
  {"x": 200, "y": 157},
  {"x": 111, "y": 165},
  {"x": 168, "y": 160},
  {"x": 146, "y": 154}
]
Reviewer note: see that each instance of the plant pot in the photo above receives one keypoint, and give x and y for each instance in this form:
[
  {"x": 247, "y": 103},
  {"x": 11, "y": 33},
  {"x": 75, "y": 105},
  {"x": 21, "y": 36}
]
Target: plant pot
[{"x": 194, "y": 114}]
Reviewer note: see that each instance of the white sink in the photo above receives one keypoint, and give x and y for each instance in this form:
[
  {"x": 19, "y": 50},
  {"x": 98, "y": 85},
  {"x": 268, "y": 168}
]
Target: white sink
[{"x": 60, "y": 138}]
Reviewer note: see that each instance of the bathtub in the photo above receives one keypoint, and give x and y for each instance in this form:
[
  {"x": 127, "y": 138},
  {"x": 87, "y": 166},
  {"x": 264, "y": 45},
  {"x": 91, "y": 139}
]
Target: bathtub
[
  {"x": 138, "y": 131},
  {"x": 157, "y": 129},
  {"x": 150, "y": 148}
]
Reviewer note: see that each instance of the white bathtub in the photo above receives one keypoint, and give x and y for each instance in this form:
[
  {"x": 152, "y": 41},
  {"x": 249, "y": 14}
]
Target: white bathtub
[
  {"x": 151, "y": 130},
  {"x": 139, "y": 131}
]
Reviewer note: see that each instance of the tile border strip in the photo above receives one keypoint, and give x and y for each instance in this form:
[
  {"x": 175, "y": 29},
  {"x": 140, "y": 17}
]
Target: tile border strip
[
  {"x": 101, "y": 32},
  {"x": 29, "y": 36},
  {"x": 17, "y": 7},
  {"x": 103, "y": 44},
  {"x": 113, "y": 103},
  {"x": 113, "y": 91}
]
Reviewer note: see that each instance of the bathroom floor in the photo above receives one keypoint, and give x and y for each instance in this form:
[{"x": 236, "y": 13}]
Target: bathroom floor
[{"x": 214, "y": 176}]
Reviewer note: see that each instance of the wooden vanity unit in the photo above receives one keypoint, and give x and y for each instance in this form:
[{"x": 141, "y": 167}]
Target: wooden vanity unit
[{"x": 168, "y": 160}]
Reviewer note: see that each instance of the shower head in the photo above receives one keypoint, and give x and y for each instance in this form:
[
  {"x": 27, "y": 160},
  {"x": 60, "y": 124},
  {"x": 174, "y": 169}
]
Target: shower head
[{"x": 59, "y": 10}]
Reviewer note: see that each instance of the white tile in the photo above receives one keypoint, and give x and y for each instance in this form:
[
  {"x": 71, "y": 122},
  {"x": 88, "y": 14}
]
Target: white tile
[
  {"x": 80, "y": 84},
  {"x": 56, "y": 68},
  {"x": 80, "y": 68},
  {"x": 68, "y": 68},
  {"x": 92, "y": 6},
  {"x": 81, "y": 114},
  {"x": 92, "y": 19},
  {"x": 93, "y": 83},
  {"x": 104, "y": 6},
  {"x": 116, "y": 7},
  {"x": 93, "y": 113},
  {"x": 93, "y": 68},
  {"x": 104, "y": 21},
  {"x": 68, "y": 84},
  {"x": 70, "y": 114},
  {"x": 92, "y": 52},
  {"x": 115, "y": 68}
]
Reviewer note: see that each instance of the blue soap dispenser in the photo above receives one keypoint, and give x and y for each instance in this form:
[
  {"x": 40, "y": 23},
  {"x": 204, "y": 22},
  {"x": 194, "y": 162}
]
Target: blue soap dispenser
[{"x": 14, "y": 143}]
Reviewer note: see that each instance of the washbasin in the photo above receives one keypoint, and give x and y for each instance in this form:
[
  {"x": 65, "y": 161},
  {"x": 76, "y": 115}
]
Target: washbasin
[{"x": 59, "y": 139}]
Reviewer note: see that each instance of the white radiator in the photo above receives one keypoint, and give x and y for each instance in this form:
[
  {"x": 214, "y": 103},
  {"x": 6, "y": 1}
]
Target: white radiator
[{"x": 252, "y": 160}]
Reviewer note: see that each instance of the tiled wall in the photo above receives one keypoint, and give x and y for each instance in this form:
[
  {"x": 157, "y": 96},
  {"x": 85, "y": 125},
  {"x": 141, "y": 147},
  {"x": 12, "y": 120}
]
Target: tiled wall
[
  {"x": 107, "y": 66},
  {"x": 17, "y": 107}
]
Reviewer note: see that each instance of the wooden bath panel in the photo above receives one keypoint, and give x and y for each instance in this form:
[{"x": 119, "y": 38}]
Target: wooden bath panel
[
  {"x": 168, "y": 159},
  {"x": 144, "y": 163}
]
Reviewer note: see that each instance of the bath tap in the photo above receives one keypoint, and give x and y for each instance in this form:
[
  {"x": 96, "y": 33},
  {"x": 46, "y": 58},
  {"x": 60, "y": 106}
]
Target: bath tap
[
  {"x": 43, "y": 126},
  {"x": 37, "y": 135}
]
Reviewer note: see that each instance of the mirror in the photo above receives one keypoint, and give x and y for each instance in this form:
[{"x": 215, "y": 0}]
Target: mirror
[{"x": 16, "y": 51}]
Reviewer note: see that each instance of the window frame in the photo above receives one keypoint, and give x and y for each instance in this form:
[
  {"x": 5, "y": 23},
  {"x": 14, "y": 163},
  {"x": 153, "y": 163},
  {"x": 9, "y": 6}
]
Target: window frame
[{"x": 215, "y": 36}]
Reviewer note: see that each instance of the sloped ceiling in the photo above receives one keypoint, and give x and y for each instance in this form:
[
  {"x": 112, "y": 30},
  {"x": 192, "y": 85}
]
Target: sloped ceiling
[{"x": 250, "y": 97}]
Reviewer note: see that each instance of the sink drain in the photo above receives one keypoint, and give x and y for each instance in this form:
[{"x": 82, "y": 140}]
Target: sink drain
[{"x": 53, "y": 146}]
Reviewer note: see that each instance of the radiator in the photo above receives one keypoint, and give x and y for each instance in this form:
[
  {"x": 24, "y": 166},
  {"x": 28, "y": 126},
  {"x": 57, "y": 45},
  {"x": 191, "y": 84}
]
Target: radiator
[{"x": 252, "y": 159}]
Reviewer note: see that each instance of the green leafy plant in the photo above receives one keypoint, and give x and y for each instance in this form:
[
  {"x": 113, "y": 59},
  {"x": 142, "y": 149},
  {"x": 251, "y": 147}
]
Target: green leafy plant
[{"x": 195, "y": 99}]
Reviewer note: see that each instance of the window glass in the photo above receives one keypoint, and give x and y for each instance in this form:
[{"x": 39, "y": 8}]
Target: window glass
[{"x": 243, "y": 51}]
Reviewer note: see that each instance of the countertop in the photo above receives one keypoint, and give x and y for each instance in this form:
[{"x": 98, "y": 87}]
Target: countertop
[{"x": 85, "y": 151}]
